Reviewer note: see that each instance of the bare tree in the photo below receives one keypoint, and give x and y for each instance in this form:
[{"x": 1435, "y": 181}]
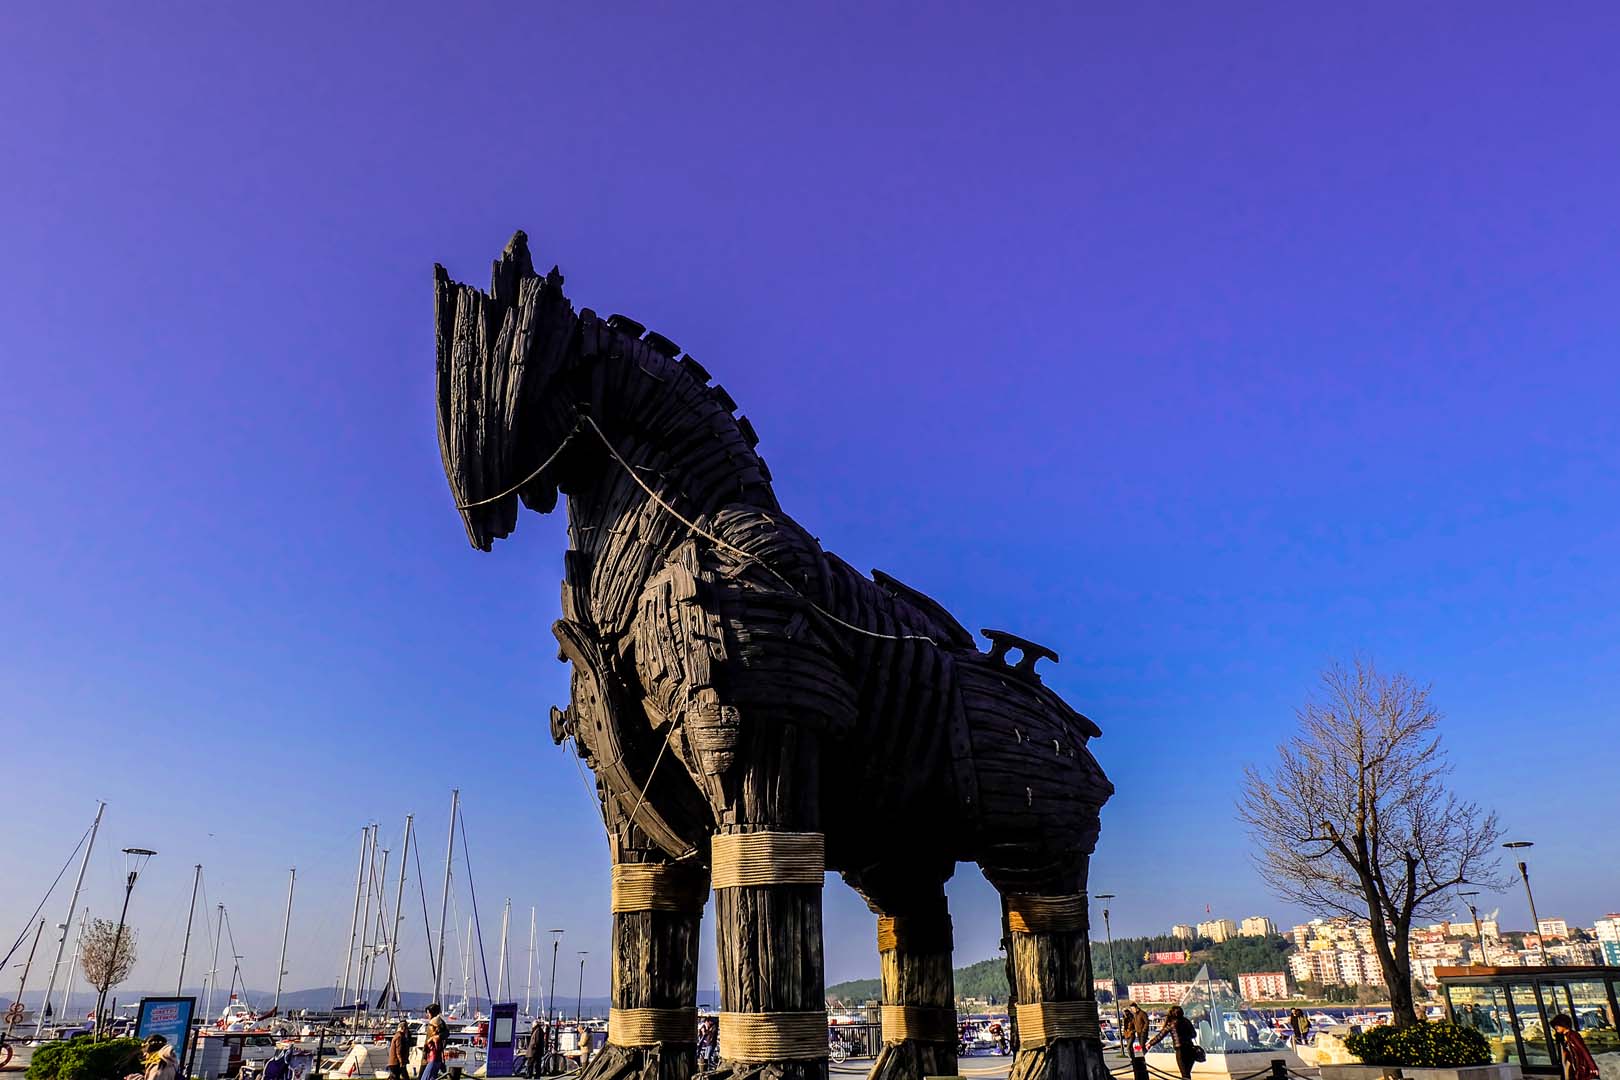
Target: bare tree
[
  {"x": 107, "y": 958},
  {"x": 1355, "y": 816}
]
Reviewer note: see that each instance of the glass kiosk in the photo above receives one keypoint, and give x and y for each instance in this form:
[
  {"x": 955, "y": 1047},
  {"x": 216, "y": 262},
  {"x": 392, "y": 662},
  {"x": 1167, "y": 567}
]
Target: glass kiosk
[{"x": 1513, "y": 1008}]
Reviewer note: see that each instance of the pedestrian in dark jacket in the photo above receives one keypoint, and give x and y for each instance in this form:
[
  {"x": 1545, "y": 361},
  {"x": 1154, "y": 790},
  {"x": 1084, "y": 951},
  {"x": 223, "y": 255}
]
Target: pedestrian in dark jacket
[
  {"x": 1182, "y": 1036},
  {"x": 1137, "y": 1026},
  {"x": 1300, "y": 1025},
  {"x": 534, "y": 1063},
  {"x": 399, "y": 1052}
]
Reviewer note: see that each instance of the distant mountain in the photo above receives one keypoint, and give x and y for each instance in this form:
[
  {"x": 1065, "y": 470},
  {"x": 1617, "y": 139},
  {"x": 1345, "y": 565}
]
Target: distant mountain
[{"x": 986, "y": 979}]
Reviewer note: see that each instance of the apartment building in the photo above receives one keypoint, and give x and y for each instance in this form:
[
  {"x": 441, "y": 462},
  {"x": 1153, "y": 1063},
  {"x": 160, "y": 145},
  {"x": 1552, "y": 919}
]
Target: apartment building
[{"x": 1265, "y": 986}]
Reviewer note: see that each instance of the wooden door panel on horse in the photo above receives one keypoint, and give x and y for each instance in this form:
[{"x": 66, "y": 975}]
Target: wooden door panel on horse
[{"x": 757, "y": 712}]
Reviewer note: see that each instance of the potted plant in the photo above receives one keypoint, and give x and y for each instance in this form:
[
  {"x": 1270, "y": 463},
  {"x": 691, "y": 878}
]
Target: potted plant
[{"x": 1436, "y": 1050}]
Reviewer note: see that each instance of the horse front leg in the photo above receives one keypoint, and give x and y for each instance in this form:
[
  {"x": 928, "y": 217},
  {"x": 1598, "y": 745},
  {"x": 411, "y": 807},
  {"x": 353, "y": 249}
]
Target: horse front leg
[
  {"x": 768, "y": 860},
  {"x": 657, "y": 911}
]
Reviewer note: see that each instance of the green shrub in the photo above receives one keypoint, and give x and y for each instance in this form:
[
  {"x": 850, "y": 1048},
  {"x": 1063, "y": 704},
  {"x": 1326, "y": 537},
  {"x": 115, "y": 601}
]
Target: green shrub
[
  {"x": 1424, "y": 1045},
  {"x": 86, "y": 1059}
]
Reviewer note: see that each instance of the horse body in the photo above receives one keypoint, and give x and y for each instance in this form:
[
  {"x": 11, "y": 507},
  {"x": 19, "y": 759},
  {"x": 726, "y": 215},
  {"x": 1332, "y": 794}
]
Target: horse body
[{"x": 729, "y": 674}]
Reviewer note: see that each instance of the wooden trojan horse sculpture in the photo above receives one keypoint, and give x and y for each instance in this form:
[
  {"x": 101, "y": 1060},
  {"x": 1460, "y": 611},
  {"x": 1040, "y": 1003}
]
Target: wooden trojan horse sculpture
[{"x": 756, "y": 712}]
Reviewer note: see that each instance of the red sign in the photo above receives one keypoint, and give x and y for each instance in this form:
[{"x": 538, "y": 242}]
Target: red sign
[{"x": 1166, "y": 957}]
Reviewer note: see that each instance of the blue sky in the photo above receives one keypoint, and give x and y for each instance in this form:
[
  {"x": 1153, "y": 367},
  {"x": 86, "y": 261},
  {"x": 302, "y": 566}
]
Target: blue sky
[{"x": 1207, "y": 346}]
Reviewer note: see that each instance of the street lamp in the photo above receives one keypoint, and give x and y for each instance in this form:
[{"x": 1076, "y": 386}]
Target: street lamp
[
  {"x": 1113, "y": 971},
  {"x": 551, "y": 989},
  {"x": 134, "y": 862},
  {"x": 1479, "y": 935},
  {"x": 579, "y": 998},
  {"x": 1524, "y": 873}
]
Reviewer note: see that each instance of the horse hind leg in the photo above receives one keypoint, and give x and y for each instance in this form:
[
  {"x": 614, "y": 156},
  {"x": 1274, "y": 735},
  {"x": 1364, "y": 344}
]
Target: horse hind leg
[
  {"x": 918, "y": 988},
  {"x": 1054, "y": 1005}
]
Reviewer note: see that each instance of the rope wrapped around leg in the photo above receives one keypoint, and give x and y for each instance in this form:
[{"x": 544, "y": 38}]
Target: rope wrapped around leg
[
  {"x": 649, "y": 1027},
  {"x": 922, "y": 1023},
  {"x": 915, "y": 933},
  {"x": 1042, "y": 1022},
  {"x": 778, "y": 1036},
  {"x": 1047, "y": 914},
  {"x": 738, "y": 860},
  {"x": 657, "y": 887}
]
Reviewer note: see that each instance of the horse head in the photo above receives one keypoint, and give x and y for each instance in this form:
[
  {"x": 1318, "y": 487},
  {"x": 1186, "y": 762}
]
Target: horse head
[{"x": 503, "y": 411}]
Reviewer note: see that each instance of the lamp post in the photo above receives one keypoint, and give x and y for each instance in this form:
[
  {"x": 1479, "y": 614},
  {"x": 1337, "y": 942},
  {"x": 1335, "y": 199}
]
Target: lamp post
[
  {"x": 1113, "y": 971},
  {"x": 1479, "y": 935},
  {"x": 579, "y": 997},
  {"x": 134, "y": 861},
  {"x": 551, "y": 989},
  {"x": 1524, "y": 873}
]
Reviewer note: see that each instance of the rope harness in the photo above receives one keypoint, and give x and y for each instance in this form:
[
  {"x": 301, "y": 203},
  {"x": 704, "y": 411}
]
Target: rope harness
[
  {"x": 657, "y": 887},
  {"x": 751, "y": 860},
  {"x": 649, "y": 1027},
  {"x": 773, "y": 1036},
  {"x": 922, "y": 1023},
  {"x": 738, "y": 860},
  {"x": 1047, "y": 914},
  {"x": 1043, "y": 1022},
  {"x": 929, "y": 933}
]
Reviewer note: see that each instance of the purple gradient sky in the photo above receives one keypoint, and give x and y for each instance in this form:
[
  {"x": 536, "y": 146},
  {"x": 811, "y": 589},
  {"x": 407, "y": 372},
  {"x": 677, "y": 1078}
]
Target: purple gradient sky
[{"x": 1205, "y": 345}]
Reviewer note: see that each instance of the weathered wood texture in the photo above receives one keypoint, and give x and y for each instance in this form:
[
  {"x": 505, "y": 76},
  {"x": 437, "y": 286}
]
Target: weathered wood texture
[
  {"x": 768, "y": 937},
  {"x": 721, "y": 656},
  {"x": 914, "y": 954},
  {"x": 654, "y": 966},
  {"x": 1053, "y": 966}
]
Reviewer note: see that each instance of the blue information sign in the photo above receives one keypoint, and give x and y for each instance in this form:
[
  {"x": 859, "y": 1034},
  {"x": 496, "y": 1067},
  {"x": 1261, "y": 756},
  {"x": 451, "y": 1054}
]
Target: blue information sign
[
  {"x": 502, "y": 1039},
  {"x": 169, "y": 1017}
]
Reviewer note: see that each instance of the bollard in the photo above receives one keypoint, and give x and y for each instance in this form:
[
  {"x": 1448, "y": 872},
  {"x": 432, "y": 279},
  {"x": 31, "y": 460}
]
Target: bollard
[
  {"x": 1139, "y": 1069},
  {"x": 1279, "y": 1069}
]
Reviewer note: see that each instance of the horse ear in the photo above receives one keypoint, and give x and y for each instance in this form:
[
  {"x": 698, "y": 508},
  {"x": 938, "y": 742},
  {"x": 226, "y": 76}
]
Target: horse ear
[{"x": 511, "y": 268}]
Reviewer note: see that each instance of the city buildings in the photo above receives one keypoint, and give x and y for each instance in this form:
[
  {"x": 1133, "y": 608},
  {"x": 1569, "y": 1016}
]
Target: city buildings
[
  {"x": 1265, "y": 986},
  {"x": 1607, "y": 930},
  {"x": 1338, "y": 951}
]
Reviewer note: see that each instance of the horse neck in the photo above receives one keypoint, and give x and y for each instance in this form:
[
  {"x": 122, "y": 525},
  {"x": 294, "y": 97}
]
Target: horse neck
[{"x": 674, "y": 433}]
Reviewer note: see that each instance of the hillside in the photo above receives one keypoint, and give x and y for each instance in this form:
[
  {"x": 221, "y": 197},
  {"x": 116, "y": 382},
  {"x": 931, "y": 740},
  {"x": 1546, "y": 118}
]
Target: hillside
[{"x": 987, "y": 979}]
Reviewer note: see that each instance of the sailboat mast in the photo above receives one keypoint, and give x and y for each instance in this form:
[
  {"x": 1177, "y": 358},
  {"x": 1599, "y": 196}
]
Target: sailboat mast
[
  {"x": 528, "y": 987},
  {"x": 444, "y": 906},
  {"x": 73, "y": 965},
  {"x": 365, "y": 925},
  {"x": 502, "y": 987},
  {"x": 399, "y": 915},
  {"x": 286, "y": 925},
  {"x": 23, "y": 982},
  {"x": 379, "y": 944},
  {"x": 213, "y": 972},
  {"x": 354, "y": 920},
  {"x": 185, "y": 948},
  {"x": 73, "y": 905},
  {"x": 467, "y": 971}
]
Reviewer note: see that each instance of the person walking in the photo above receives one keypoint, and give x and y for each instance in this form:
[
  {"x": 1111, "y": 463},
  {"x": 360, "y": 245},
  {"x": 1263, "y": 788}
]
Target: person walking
[
  {"x": 1573, "y": 1056},
  {"x": 1137, "y": 1027},
  {"x": 1299, "y": 1025},
  {"x": 435, "y": 1039},
  {"x": 399, "y": 1052},
  {"x": 1182, "y": 1036},
  {"x": 157, "y": 1059},
  {"x": 536, "y": 1050}
]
